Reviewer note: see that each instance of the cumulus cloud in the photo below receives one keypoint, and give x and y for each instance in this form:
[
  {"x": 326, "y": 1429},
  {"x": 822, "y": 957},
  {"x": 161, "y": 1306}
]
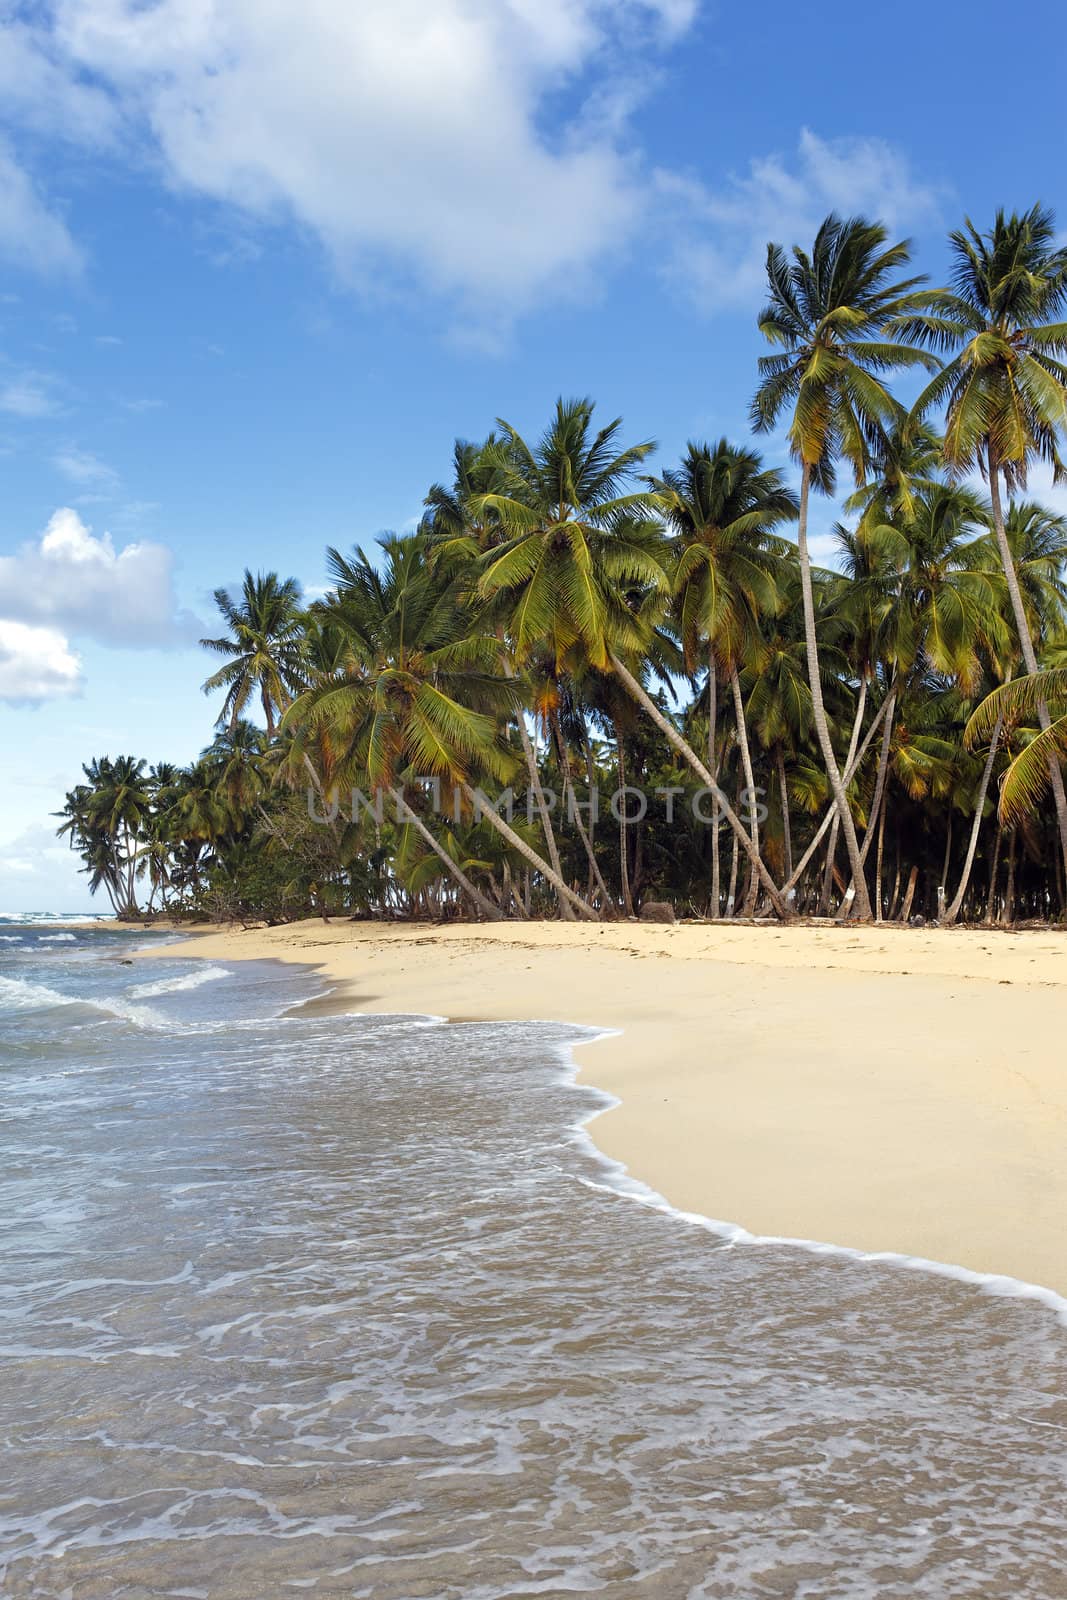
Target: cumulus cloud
[
  {"x": 406, "y": 133},
  {"x": 721, "y": 234},
  {"x": 36, "y": 664},
  {"x": 32, "y": 234},
  {"x": 73, "y": 580}
]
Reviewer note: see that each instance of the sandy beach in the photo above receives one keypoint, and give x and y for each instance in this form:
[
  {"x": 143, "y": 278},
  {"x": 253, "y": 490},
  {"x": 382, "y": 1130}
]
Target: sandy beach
[{"x": 878, "y": 1088}]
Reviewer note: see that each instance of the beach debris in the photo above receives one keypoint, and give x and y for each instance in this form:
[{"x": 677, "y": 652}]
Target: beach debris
[{"x": 657, "y": 911}]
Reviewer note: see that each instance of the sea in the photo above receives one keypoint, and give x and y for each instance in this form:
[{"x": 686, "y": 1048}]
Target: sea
[{"x": 294, "y": 1302}]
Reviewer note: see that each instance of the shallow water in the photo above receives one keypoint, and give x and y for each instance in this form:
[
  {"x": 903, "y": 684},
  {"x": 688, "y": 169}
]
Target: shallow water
[{"x": 349, "y": 1307}]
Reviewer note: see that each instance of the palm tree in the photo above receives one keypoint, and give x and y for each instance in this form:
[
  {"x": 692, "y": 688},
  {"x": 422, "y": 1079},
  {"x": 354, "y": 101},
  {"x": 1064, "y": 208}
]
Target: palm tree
[
  {"x": 582, "y": 572},
  {"x": 1005, "y": 387},
  {"x": 415, "y": 695},
  {"x": 462, "y": 526},
  {"x": 104, "y": 819},
  {"x": 264, "y": 646},
  {"x": 721, "y": 504},
  {"x": 829, "y": 312},
  {"x": 1028, "y": 776}
]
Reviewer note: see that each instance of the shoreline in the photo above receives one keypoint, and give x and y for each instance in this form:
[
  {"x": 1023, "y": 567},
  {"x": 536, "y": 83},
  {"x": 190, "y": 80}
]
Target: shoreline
[{"x": 893, "y": 1092}]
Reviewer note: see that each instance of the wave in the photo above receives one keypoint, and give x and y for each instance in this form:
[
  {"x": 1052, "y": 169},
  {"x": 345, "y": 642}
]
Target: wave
[
  {"x": 44, "y": 919},
  {"x": 191, "y": 980},
  {"x": 56, "y": 938},
  {"x": 14, "y": 938},
  {"x": 19, "y": 994}
]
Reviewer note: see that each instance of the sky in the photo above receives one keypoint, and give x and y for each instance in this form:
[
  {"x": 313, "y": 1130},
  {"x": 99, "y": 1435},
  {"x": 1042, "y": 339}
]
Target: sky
[{"x": 261, "y": 262}]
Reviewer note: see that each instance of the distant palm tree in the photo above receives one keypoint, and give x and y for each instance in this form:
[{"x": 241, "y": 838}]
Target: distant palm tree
[
  {"x": 104, "y": 818},
  {"x": 264, "y": 644},
  {"x": 829, "y": 312},
  {"x": 1005, "y": 387}
]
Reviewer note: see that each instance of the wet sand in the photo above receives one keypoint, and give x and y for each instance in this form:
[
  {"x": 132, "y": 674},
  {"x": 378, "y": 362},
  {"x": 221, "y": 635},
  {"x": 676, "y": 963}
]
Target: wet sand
[{"x": 883, "y": 1089}]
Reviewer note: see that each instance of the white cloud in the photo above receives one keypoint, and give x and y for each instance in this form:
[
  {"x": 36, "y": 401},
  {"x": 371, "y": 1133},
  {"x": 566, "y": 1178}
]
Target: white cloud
[
  {"x": 71, "y": 579},
  {"x": 721, "y": 234},
  {"x": 31, "y": 234},
  {"x": 85, "y": 469},
  {"x": 29, "y": 396},
  {"x": 36, "y": 664},
  {"x": 421, "y": 135}
]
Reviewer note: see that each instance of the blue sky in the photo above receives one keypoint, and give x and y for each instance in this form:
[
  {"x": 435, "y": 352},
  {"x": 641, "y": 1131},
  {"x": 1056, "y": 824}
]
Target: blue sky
[{"x": 259, "y": 264}]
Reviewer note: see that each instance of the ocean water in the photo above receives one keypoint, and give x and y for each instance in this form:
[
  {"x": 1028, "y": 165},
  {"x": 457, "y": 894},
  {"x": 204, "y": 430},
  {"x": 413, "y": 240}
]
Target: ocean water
[{"x": 349, "y": 1306}]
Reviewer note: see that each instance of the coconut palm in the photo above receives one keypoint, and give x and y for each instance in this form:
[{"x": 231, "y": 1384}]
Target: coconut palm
[
  {"x": 415, "y": 695},
  {"x": 1027, "y": 779},
  {"x": 461, "y": 526},
  {"x": 582, "y": 574},
  {"x": 264, "y": 646},
  {"x": 829, "y": 311},
  {"x": 721, "y": 505},
  {"x": 1004, "y": 388}
]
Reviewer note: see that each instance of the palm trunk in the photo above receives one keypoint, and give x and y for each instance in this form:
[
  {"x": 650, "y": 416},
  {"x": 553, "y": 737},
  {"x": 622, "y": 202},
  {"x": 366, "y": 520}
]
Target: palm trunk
[
  {"x": 831, "y": 812},
  {"x": 563, "y": 757},
  {"x": 624, "y": 851},
  {"x": 750, "y": 785},
  {"x": 713, "y": 768},
  {"x": 731, "y": 888},
  {"x": 976, "y": 822},
  {"x": 993, "y": 871},
  {"x": 848, "y": 898},
  {"x": 828, "y": 870},
  {"x": 943, "y": 880},
  {"x": 485, "y": 906},
  {"x": 686, "y": 751},
  {"x": 822, "y": 728},
  {"x": 538, "y": 792},
  {"x": 909, "y": 894},
  {"x": 1007, "y": 915},
  {"x": 542, "y": 807},
  {"x": 496, "y": 821},
  {"x": 878, "y": 913},
  {"x": 883, "y": 770},
  {"x": 1026, "y": 644},
  {"x": 787, "y": 830}
]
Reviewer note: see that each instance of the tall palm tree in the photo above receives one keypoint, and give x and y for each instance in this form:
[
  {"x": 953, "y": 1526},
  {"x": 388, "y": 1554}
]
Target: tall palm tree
[
  {"x": 721, "y": 504},
  {"x": 1004, "y": 388},
  {"x": 829, "y": 312},
  {"x": 415, "y": 694},
  {"x": 461, "y": 527},
  {"x": 264, "y": 646},
  {"x": 582, "y": 572}
]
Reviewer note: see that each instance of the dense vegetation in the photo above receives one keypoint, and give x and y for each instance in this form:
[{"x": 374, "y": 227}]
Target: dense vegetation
[{"x": 880, "y": 739}]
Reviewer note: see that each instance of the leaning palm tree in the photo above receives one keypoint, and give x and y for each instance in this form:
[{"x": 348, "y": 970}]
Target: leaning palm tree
[
  {"x": 581, "y": 575},
  {"x": 1005, "y": 387},
  {"x": 264, "y": 646},
  {"x": 721, "y": 504},
  {"x": 829, "y": 313}
]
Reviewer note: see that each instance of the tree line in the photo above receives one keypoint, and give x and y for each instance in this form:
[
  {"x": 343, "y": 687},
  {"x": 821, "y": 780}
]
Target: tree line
[{"x": 880, "y": 738}]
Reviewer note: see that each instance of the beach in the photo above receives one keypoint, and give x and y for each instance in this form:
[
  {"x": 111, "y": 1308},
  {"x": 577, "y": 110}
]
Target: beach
[{"x": 880, "y": 1089}]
